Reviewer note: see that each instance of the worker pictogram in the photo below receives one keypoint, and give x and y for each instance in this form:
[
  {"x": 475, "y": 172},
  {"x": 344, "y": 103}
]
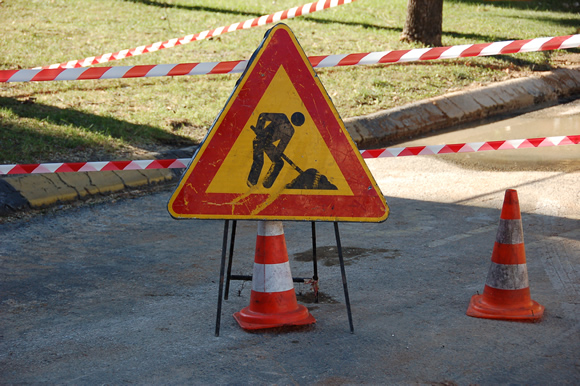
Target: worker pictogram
[
  {"x": 278, "y": 150},
  {"x": 273, "y": 133}
]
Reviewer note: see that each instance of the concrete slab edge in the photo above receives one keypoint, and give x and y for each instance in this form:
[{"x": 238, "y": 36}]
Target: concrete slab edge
[
  {"x": 444, "y": 112},
  {"x": 36, "y": 191},
  {"x": 22, "y": 192}
]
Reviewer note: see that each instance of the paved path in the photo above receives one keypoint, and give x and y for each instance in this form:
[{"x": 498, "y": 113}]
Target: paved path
[{"x": 121, "y": 292}]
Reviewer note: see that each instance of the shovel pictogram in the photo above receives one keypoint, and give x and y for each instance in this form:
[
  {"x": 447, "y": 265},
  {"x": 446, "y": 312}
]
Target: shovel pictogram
[{"x": 309, "y": 179}]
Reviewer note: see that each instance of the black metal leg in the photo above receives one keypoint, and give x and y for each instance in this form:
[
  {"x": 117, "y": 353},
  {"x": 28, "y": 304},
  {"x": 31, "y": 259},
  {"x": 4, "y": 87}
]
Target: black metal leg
[
  {"x": 229, "y": 273},
  {"x": 222, "y": 269},
  {"x": 343, "y": 272},
  {"x": 314, "y": 262}
]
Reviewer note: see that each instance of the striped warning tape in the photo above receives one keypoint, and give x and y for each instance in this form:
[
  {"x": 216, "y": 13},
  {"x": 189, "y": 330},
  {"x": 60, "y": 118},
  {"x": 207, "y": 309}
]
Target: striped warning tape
[
  {"x": 180, "y": 163},
  {"x": 259, "y": 21},
  {"x": 472, "y": 147},
  {"x": 67, "y": 167},
  {"x": 238, "y": 66}
]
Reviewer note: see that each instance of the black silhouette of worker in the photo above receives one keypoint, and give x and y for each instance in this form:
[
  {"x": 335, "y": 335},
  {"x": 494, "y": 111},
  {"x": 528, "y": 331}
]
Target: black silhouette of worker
[{"x": 273, "y": 133}]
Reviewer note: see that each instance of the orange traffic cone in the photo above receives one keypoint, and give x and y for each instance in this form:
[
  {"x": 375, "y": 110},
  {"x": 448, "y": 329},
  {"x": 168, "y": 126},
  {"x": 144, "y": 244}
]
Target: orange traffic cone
[
  {"x": 506, "y": 294},
  {"x": 273, "y": 300}
]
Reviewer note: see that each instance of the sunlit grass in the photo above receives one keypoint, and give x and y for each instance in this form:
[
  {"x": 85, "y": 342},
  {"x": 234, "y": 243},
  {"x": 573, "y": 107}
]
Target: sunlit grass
[{"x": 71, "y": 120}]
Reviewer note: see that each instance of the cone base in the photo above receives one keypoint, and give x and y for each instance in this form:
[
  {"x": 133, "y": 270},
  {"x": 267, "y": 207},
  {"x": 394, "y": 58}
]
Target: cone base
[
  {"x": 251, "y": 320},
  {"x": 479, "y": 308}
]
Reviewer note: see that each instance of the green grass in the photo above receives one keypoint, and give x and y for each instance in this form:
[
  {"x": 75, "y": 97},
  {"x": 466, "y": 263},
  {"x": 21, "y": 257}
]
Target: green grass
[{"x": 90, "y": 120}]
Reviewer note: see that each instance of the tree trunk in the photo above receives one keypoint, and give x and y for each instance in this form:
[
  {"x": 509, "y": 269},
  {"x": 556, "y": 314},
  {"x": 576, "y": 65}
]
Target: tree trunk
[{"x": 424, "y": 22}]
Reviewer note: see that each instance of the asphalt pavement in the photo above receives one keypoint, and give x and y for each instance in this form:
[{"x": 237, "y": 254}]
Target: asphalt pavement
[{"x": 119, "y": 292}]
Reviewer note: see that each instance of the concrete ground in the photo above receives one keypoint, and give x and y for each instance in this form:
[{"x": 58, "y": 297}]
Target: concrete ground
[{"x": 121, "y": 293}]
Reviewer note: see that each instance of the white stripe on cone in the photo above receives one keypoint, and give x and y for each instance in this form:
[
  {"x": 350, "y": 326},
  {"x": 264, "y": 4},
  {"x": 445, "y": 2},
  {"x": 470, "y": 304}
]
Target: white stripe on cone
[
  {"x": 272, "y": 277},
  {"x": 270, "y": 228}
]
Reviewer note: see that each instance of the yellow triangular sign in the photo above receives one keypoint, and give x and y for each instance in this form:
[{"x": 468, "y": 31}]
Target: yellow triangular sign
[{"x": 279, "y": 150}]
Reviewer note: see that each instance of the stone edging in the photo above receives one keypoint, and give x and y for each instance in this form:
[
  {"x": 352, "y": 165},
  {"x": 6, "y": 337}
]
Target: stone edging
[{"x": 383, "y": 128}]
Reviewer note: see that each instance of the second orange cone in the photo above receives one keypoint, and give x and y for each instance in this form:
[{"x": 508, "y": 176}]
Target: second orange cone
[
  {"x": 273, "y": 300},
  {"x": 506, "y": 294}
]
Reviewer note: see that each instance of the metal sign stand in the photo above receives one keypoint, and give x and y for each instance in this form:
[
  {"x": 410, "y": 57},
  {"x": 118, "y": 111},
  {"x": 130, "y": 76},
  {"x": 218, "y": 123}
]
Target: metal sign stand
[{"x": 314, "y": 279}]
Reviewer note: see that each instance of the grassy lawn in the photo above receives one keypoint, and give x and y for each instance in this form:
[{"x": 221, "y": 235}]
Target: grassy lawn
[{"x": 111, "y": 119}]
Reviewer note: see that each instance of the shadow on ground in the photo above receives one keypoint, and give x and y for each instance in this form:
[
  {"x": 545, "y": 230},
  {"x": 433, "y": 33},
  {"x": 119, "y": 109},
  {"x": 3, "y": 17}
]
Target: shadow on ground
[{"x": 120, "y": 292}]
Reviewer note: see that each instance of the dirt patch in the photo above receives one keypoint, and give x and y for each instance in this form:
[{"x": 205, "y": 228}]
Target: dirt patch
[
  {"x": 185, "y": 128},
  {"x": 309, "y": 297},
  {"x": 328, "y": 255}
]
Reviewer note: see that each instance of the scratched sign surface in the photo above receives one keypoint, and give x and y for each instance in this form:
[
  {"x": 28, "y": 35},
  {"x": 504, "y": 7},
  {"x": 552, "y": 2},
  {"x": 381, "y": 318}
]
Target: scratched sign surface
[{"x": 278, "y": 150}]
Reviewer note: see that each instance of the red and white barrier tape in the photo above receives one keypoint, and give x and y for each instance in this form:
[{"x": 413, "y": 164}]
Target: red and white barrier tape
[
  {"x": 259, "y": 21},
  {"x": 94, "y": 166},
  {"x": 471, "y": 147},
  {"x": 238, "y": 66},
  {"x": 181, "y": 163}
]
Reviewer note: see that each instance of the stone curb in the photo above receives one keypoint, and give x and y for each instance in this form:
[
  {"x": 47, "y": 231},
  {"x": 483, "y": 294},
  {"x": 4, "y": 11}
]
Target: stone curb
[
  {"x": 444, "y": 112},
  {"x": 22, "y": 192},
  {"x": 376, "y": 130}
]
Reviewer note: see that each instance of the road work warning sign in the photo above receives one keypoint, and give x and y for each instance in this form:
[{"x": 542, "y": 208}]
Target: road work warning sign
[{"x": 278, "y": 150}]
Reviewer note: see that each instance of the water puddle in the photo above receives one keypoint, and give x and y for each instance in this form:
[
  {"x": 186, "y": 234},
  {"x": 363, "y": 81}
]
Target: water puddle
[
  {"x": 560, "y": 120},
  {"x": 328, "y": 255},
  {"x": 307, "y": 296}
]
